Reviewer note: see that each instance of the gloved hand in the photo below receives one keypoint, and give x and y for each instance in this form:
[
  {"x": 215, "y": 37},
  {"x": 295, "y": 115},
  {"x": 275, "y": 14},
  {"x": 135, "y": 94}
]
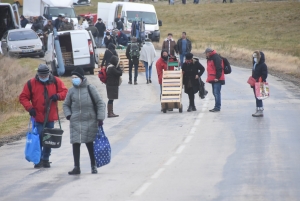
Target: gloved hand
[
  {"x": 54, "y": 97},
  {"x": 68, "y": 117},
  {"x": 100, "y": 123},
  {"x": 32, "y": 112}
]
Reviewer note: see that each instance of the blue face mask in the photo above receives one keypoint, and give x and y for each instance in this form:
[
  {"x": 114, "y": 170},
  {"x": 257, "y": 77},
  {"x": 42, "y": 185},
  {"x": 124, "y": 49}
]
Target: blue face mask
[
  {"x": 76, "y": 81},
  {"x": 44, "y": 79}
]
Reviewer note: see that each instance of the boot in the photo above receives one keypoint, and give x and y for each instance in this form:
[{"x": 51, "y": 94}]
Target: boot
[
  {"x": 110, "y": 112},
  {"x": 113, "y": 111},
  {"x": 39, "y": 165},
  {"x": 150, "y": 80},
  {"x": 135, "y": 83},
  {"x": 46, "y": 163},
  {"x": 75, "y": 171},
  {"x": 94, "y": 170},
  {"x": 147, "y": 82},
  {"x": 259, "y": 112},
  {"x": 189, "y": 108},
  {"x": 130, "y": 82},
  {"x": 194, "y": 108}
]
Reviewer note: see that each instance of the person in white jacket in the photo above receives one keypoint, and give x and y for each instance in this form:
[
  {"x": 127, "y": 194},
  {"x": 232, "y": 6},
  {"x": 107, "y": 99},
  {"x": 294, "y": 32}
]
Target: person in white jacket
[{"x": 147, "y": 56}]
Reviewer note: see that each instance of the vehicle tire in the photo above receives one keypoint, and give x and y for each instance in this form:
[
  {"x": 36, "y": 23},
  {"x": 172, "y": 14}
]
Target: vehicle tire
[
  {"x": 53, "y": 68},
  {"x": 92, "y": 72},
  {"x": 180, "y": 109},
  {"x": 164, "y": 110},
  {"x": 42, "y": 55}
]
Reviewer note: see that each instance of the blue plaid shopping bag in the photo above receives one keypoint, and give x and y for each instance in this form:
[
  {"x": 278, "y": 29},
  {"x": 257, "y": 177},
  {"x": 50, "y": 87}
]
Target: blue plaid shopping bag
[
  {"x": 102, "y": 150},
  {"x": 33, "y": 146}
]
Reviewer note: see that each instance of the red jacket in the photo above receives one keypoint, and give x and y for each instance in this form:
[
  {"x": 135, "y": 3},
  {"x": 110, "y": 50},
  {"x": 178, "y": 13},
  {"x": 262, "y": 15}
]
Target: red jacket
[
  {"x": 38, "y": 97},
  {"x": 215, "y": 68},
  {"x": 162, "y": 65}
]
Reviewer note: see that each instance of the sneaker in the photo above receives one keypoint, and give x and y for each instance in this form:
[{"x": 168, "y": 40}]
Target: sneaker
[
  {"x": 46, "y": 164},
  {"x": 75, "y": 171},
  {"x": 194, "y": 108},
  {"x": 214, "y": 110},
  {"x": 39, "y": 165},
  {"x": 130, "y": 82},
  {"x": 94, "y": 170},
  {"x": 135, "y": 83}
]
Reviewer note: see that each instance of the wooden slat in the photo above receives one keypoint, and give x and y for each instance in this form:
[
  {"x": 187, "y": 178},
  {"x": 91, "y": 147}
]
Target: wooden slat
[
  {"x": 171, "y": 92},
  {"x": 169, "y": 101},
  {"x": 170, "y": 97},
  {"x": 171, "y": 89},
  {"x": 170, "y": 80}
]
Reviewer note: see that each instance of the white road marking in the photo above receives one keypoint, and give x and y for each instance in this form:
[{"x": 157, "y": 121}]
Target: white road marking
[
  {"x": 197, "y": 122},
  {"x": 142, "y": 189},
  {"x": 180, "y": 149},
  {"x": 157, "y": 173},
  {"x": 193, "y": 130},
  {"x": 188, "y": 139},
  {"x": 171, "y": 160}
]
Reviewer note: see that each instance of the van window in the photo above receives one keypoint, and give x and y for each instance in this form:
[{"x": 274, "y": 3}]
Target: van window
[
  {"x": 147, "y": 17},
  {"x": 22, "y": 35},
  {"x": 67, "y": 12}
]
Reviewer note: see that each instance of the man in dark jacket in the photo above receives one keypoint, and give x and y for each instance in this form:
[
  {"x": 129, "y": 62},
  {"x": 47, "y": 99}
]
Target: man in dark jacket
[
  {"x": 184, "y": 46},
  {"x": 35, "y": 97},
  {"x": 38, "y": 24},
  {"x": 101, "y": 29},
  {"x": 215, "y": 76},
  {"x": 48, "y": 28},
  {"x": 66, "y": 26},
  {"x": 24, "y": 21},
  {"x": 120, "y": 25},
  {"x": 122, "y": 39},
  {"x": 133, "y": 60},
  {"x": 93, "y": 29},
  {"x": 109, "y": 39},
  {"x": 57, "y": 22}
]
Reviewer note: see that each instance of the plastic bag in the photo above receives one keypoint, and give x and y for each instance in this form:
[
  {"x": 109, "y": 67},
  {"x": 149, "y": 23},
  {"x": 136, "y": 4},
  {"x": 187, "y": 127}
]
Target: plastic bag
[
  {"x": 102, "y": 150},
  {"x": 33, "y": 145}
]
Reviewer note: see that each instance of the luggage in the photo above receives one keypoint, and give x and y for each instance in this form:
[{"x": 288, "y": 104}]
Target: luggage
[
  {"x": 51, "y": 136},
  {"x": 102, "y": 150},
  {"x": 262, "y": 90},
  {"x": 33, "y": 145}
]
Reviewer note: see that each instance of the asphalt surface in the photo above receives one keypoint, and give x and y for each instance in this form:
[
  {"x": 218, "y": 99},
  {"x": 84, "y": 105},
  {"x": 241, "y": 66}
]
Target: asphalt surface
[{"x": 190, "y": 156}]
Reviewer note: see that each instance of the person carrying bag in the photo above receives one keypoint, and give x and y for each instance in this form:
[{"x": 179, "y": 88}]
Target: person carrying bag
[{"x": 32, "y": 147}]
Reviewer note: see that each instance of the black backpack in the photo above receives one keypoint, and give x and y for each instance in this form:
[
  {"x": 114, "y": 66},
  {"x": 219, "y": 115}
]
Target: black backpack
[
  {"x": 227, "y": 67},
  {"x": 134, "y": 50}
]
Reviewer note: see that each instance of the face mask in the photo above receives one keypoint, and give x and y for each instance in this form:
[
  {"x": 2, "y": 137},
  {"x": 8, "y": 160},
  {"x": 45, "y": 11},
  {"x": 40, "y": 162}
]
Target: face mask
[
  {"x": 44, "y": 79},
  {"x": 76, "y": 81},
  {"x": 165, "y": 58},
  {"x": 255, "y": 60}
]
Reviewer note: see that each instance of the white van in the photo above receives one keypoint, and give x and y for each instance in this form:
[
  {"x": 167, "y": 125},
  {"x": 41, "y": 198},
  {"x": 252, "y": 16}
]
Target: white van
[
  {"x": 108, "y": 12},
  {"x": 9, "y": 18},
  {"x": 78, "y": 50}
]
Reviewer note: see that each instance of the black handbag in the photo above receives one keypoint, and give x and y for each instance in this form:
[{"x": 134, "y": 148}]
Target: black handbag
[
  {"x": 202, "y": 91},
  {"x": 52, "y": 136}
]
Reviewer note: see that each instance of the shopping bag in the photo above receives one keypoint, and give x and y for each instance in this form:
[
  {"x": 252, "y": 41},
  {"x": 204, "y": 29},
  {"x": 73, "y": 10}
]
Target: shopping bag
[
  {"x": 33, "y": 146},
  {"x": 102, "y": 150},
  {"x": 251, "y": 81},
  {"x": 262, "y": 90}
]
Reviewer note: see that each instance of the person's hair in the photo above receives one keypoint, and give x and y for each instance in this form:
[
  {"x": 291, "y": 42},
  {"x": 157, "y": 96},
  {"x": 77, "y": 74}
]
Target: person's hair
[
  {"x": 170, "y": 34},
  {"x": 184, "y": 33}
]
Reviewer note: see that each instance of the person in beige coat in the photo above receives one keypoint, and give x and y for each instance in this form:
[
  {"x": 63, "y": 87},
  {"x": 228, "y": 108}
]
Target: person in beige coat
[{"x": 147, "y": 56}]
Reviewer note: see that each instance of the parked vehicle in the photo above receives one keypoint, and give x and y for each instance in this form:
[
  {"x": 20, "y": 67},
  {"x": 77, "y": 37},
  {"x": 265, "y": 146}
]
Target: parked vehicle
[
  {"x": 21, "y": 42},
  {"x": 78, "y": 50},
  {"x": 9, "y": 18},
  {"x": 81, "y": 2},
  {"x": 130, "y": 12}
]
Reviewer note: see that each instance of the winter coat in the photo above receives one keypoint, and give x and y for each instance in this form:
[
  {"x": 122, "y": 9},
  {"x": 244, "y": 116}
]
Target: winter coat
[
  {"x": 133, "y": 60},
  {"x": 113, "y": 74},
  {"x": 170, "y": 46},
  {"x": 162, "y": 65},
  {"x": 108, "y": 54},
  {"x": 188, "y": 46},
  {"x": 94, "y": 30},
  {"x": 215, "y": 68},
  {"x": 57, "y": 23},
  {"x": 120, "y": 25},
  {"x": 260, "y": 69},
  {"x": 84, "y": 118},
  {"x": 66, "y": 26},
  {"x": 39, "y": 97},
  {"x": 101, "y": 28},
  {"x": 24, "y": 22},
  {"x": 190, "y": 70},
  {"x": 148, "y": 53},
  {"x": 122, "y": 39},
  {"x": 38, "y": 24},
  {"x": 48, "y": 27},
  {"x": 110, "y": 40}
]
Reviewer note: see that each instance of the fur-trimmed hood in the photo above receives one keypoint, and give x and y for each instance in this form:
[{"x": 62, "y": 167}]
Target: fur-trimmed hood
[
  {"x": 259, "y": 55},
  {"x": 166, "y": 39}
]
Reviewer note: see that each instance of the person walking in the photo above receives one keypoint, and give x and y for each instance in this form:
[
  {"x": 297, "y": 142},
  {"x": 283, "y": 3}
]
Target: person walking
[
  {"x": 23, "y": 21},
  {"x": 147, "y": 56},
  {"x": 101, "y": 29},
  {"x": 111, "y": 51},
  {"x": 259, "y": 72},
  {"x": 192, "y": 70},
  {"x": 35, "y": 98},
  {"x": 85, "y": 110},
  {"x": 184, "y": 47},
  {"x": 109, "y": 39},
  {"x": 170, "y": 45},
  {"x": 215, "y": 76},
  {"x": 133, "y": 54},
  {"x": 113, "y": 74}
]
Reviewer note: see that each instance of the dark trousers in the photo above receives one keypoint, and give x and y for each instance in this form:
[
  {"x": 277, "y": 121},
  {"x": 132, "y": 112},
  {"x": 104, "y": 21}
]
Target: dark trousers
[
  {"x": 76, "y": 153},
  {"x": 131, "y": 64},
  {"x": 191, "y": 95}
]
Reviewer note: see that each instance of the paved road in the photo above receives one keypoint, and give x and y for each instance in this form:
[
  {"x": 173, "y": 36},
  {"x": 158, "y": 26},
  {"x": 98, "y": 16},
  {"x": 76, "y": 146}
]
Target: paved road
[{"x": 190, "y": 156}]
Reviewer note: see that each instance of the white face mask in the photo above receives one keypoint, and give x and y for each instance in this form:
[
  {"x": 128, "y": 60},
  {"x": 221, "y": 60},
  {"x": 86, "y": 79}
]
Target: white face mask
[{"x": 255, "y": 59}]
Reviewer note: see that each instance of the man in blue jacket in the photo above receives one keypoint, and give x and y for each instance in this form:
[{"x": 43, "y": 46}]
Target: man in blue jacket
[
  {"x": 122, "y": 39},
  {"x": 184, "y": 46}
]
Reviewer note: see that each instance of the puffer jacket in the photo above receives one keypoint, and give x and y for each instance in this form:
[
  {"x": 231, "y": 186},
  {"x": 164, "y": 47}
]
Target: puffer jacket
[
  {"x": 260, "y": 69},
  {"x": 113, "y": 74},
  {"x": 84, "y": 119},
  {"x": 215, "y": 68}
]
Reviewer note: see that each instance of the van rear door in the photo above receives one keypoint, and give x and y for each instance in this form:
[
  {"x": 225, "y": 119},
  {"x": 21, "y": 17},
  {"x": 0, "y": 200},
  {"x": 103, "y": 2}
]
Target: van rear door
[
  {"x": 80, "y": 46},
  {"x": 16, "y": 15}
]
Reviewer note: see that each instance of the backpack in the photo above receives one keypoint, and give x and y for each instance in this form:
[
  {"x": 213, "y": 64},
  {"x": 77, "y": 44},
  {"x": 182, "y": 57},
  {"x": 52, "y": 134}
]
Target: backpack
[
  {"x": 102, "y": 75},
  {"x": 30, "y": 87},
  {"x": 134, "y": 50},
  {"x": 227, "y": 67}
]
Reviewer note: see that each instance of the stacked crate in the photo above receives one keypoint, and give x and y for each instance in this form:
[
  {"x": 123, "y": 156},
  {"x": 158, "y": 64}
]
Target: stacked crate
[{"x": 67, "y": 57}]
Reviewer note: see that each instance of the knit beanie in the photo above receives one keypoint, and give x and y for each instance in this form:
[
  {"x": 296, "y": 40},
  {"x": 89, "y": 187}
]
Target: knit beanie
[
  {"x": 189, "y": 56},
  {"x": 114, "y": 60},
  {"x": 43, "y": 69},
  {"x": 79, "y": 72}
]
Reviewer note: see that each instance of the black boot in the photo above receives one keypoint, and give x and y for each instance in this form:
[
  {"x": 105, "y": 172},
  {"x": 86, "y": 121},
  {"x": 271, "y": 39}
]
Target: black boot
[
  {"x": 75, "y": 171},
  {"x": 39, "y": 165},
  {"x": 94, "y": 170},
  {"x": 194, "y": 108},
  {"x": 147, "y": 82},
  {"x": 46, "y": 163},
  {"x": 189, "y": 108},
  {"x": 150, "y": 80}
]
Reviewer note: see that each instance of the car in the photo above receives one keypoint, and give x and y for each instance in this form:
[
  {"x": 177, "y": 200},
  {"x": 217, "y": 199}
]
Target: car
[
  {"x": 21, "y": 43},
  {"x": 81, "y": 2}
]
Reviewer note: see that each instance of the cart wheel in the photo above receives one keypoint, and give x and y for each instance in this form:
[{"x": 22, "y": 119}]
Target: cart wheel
[
  {"x": 180, "y": 109},
  {"x": 164, "y": 110}
]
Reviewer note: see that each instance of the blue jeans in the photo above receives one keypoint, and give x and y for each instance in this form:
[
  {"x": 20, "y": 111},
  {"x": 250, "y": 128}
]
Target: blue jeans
[
  {"x": 148, "y": 70},
  {"x": 216, "y": 90},
  {"x": 131, "y": 64},
  {"x": 99, "y": 41},
  {"x": 46, "y": 151},
  {"x": 182, "y": 57},
  {"x": 259, "y": 103}
]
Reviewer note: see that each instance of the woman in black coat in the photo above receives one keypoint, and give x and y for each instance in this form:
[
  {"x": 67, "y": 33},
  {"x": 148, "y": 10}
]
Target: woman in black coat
[
  {"x": 192, "y": 71},
  {"x": 113, "y": 74},
  {"x": 108, "y": 54},
  {"x": 259, "y": 71},
  {"x": 109, "y": 39}
]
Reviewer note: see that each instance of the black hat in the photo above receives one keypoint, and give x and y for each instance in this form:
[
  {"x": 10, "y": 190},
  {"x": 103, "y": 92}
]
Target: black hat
[
  {"x": 189, "y": 56},
  {"x": 99, "y": 19},
  {"x": 79, "y": 72},
  {"x": 43, "y": 69},
  {"x": 114, "y": 60},
  {"x": 108, "y": 33}
]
